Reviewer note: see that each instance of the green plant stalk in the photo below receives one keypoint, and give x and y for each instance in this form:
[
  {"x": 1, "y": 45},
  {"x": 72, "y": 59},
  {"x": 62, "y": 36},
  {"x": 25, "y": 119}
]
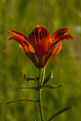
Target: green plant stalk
[{"x": 40, "y": 82}]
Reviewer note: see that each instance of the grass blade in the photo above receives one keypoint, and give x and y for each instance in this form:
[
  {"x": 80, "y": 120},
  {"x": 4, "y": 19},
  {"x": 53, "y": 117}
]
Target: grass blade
[
  {"x": 59, "y": 112},
  {"x": 30, "y": 79},
  {"x": 52, "y": 86},
  {"x": 34, "y": 118},
  {"x": 22, "y": 100},
  {"x": 47, "y": 79}
]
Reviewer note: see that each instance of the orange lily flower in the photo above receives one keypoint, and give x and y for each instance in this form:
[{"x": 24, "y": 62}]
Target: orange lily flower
[{"x": 40, "y": 46}]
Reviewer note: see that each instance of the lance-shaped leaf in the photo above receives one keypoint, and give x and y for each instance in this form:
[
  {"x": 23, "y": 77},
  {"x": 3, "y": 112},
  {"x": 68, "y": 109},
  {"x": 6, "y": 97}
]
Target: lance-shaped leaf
[
  {"x": 52, "y": 86},
  {"x": 22, "y": 100},
  {"x": 59, "y": 112},
  {"x": 47, "y": 79},
  {"x": 30, "y": 79},
  {"x": 34, "y": 118},
  {"x": 34, "y": 88}
]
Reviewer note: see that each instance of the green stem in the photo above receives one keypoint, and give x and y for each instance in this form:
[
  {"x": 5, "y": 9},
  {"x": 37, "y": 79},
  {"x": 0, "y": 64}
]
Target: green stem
[{"x": 40, "y": 82}]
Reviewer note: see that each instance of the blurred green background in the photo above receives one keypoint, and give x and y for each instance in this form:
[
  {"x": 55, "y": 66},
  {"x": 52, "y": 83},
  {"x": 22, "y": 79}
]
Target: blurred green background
[{"x": 24, "y": 15}]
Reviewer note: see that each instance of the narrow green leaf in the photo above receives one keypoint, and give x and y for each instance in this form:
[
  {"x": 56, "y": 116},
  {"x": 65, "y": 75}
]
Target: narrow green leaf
[
  {"x": 30, "y": 79},
  {"x": 48, "y": 78},
  {"x": 22, "y": 100},
  {"x": 59, "y": 112},
  {"x": 34, "y": 118},
  {"x": 52, "y": 86},
  {"x": 34, "y": 88}
]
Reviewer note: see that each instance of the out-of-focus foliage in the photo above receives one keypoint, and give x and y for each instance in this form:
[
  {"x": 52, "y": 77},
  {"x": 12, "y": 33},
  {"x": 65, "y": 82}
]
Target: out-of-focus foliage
[{"x": 24, "y": 15}]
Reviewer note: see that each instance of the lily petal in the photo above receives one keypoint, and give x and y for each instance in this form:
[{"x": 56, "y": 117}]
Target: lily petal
[
  {"x": 25, "y": 46},
  {"x": 55, "y": 48},
  {"x": 39, "y": 40},
  {"x": 17, "y": 33},
  {"x": 68, "y": 36},
  {"x": 59, "y": 34}
]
